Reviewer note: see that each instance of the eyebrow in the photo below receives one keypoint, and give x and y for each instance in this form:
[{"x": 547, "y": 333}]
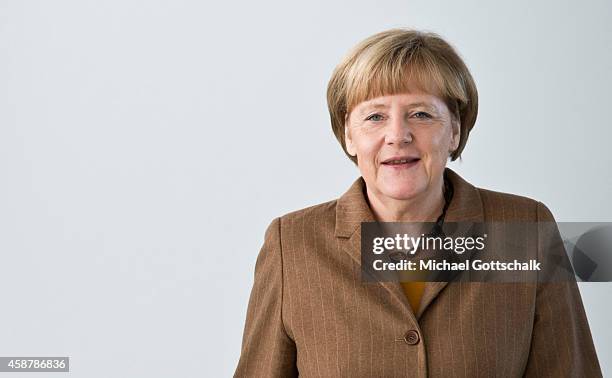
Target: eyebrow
[
  {"x": 423, "y": 104},
  {"x": 379, "y": 105}
]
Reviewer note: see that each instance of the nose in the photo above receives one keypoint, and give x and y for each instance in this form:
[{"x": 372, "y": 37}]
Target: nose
[{"x": 398, "y": 132}]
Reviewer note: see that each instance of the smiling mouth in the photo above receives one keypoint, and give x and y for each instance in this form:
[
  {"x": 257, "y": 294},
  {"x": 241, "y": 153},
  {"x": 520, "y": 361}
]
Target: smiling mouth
[{"x": 401, "y": 163}]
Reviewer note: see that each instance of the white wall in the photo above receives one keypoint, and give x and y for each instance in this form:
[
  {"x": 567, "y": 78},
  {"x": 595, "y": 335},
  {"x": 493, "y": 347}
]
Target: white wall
[{"x": 145, "y": 146}]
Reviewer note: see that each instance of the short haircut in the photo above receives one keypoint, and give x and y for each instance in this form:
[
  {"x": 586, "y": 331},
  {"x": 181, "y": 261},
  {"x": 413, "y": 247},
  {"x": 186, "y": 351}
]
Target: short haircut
[{"x": 397, "y": 61}]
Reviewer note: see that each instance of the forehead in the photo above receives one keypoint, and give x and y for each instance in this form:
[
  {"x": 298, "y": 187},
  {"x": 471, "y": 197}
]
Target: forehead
[{"x": 408, "y": 99}]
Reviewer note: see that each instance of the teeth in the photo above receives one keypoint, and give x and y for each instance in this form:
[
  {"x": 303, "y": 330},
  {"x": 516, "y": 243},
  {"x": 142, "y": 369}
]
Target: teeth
[{"x": 398, "y": 161}]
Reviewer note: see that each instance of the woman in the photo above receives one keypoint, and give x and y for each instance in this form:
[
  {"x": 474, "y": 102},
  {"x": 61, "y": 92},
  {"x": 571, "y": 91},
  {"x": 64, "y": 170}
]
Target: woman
[{"x": 402, "y": 104}]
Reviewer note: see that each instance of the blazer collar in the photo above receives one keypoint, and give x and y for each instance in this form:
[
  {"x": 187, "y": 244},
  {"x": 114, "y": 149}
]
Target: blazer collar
[
  {"x": 353, "y": 208},
  {"x": 466, "y": 204}
]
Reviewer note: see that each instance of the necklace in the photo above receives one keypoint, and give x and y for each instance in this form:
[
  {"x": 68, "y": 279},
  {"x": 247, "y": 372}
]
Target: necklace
[{"x": 448, "y": 196}]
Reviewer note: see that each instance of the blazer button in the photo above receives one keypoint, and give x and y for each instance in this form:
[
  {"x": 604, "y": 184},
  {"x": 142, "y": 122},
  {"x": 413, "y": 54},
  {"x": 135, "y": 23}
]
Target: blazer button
[{"x": 412, "y": 337}]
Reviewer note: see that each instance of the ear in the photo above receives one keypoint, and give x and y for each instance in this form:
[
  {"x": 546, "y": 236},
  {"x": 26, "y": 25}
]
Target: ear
[
  {"x": 348, "y": 140},
  {"x": 456, "y": 135}
]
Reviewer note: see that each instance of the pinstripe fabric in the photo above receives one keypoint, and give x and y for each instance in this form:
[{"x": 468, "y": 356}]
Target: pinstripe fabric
[{"x": 309, "y": 314}]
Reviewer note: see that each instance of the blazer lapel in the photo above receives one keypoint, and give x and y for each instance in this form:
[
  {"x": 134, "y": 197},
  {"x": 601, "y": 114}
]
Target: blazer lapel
[
  {"x": 465, "y": 206},
  {"x": 352, "y": 209}
]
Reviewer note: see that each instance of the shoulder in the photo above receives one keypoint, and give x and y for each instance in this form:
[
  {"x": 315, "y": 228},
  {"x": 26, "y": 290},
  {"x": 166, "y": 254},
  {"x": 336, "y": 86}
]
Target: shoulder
[
  {"x": 302, "y": 228},
  {"x": 321, "y": 212},
  {"x": 493, "y": 206},
  {"x": 500, "y": 206},
  {"x": 317, "y": 216}
]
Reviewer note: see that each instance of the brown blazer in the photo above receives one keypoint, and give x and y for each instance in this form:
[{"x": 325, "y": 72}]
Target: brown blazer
[{"x": 310, "y": 314}]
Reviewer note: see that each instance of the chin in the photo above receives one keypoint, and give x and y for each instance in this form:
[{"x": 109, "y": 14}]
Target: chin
[{"x": 402, "y": 191}]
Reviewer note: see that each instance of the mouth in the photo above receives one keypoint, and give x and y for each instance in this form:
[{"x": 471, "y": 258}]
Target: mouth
[{"x": 401, "y": 162}]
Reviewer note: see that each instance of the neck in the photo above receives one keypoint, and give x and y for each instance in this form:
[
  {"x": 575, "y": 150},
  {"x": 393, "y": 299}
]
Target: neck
[{"x": 426, "y": 207}]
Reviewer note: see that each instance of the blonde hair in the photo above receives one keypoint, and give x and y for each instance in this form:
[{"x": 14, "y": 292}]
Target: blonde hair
[{"x": 397, "y": 61}]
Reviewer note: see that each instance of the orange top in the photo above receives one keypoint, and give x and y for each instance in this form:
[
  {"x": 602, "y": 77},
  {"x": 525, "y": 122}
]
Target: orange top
[
  {"x": 413, "y": 283},
  {"x": 414, "y": 292}
]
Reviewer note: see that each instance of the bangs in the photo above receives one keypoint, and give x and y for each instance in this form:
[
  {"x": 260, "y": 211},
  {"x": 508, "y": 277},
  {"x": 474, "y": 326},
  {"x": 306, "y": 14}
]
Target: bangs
[{"x": 407, "y": 69}]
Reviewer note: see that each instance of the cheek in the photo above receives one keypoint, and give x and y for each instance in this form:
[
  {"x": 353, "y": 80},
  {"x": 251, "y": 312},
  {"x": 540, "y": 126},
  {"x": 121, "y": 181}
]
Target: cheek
[
  {"x": 444, "y": 139},
  {"x": 436, "y": 146},
  {"x": 367, "y": 148}
]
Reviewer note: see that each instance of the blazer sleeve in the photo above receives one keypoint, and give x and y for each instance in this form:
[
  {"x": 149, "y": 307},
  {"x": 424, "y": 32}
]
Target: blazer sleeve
[
  {"x": 561, "y": 343},
  {"x": 267, "y": 350}
]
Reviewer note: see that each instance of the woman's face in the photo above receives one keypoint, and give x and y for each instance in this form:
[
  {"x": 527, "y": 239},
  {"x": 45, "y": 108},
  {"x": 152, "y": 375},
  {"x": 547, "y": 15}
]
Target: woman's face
[{"x": 402, "y": 143}]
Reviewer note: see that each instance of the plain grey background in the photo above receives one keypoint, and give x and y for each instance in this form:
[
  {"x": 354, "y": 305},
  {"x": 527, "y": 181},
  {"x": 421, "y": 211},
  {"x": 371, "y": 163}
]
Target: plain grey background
[{"x": 145, "y": 146}]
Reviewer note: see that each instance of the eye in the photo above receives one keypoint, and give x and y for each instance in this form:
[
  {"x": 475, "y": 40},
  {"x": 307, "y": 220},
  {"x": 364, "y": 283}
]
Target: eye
[
  {"x": 422, "y": 115},
  {"x": 376, "y": 117}
]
